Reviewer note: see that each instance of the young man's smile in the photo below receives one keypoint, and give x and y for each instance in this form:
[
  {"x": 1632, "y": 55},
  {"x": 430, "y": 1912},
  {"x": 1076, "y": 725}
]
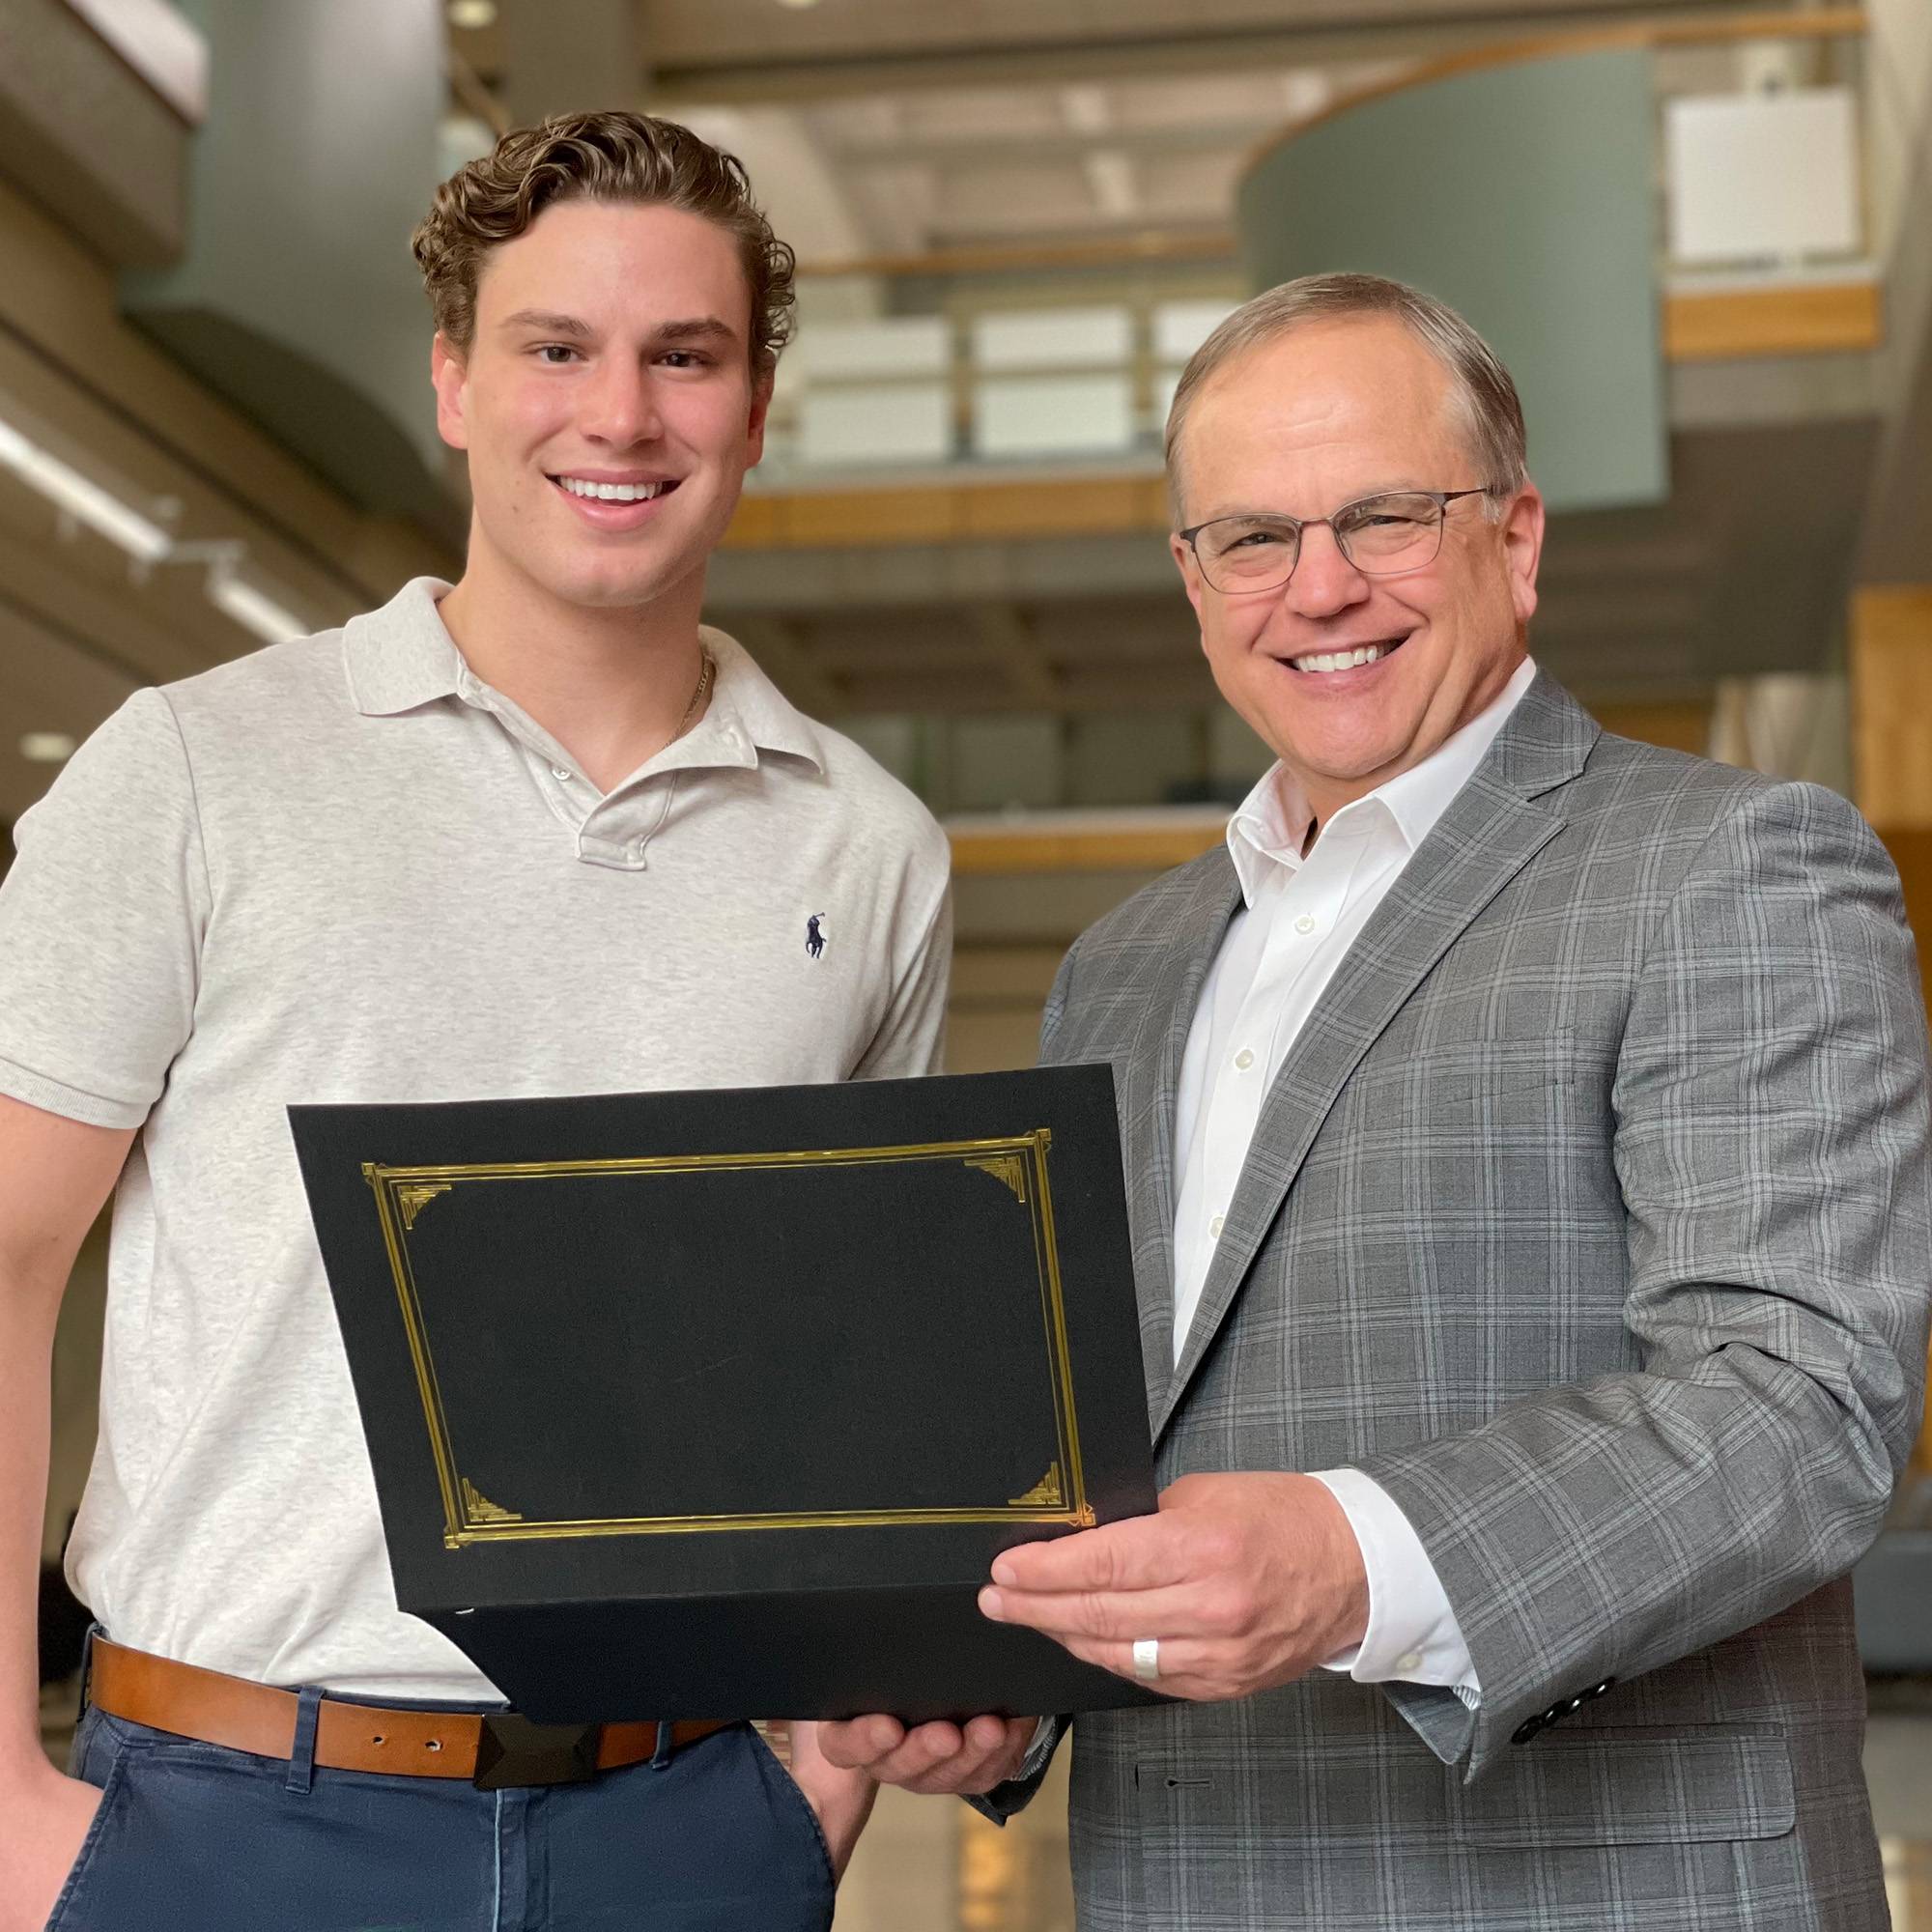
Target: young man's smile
[{"x": 608, "y": 405}]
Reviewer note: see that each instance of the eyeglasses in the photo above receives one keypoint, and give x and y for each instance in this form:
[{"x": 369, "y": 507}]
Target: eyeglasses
[{"x": 1380, "y": 536}]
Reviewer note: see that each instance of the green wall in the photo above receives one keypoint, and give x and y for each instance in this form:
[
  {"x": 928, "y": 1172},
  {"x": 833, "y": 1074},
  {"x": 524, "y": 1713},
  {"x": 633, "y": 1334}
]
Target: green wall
[{"x": 1523, "y": 196}]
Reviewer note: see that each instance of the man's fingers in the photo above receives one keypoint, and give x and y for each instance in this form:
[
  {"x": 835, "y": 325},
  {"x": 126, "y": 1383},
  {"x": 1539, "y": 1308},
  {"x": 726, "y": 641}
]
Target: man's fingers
[
  {"x": 861, "y": 1742},
  {"x": 1184, "y": 1610},
  {"x": 1187, "y": 1668},
  {"x": 1140, "y": 1554},
  {"x": 930, "y": 1758}
]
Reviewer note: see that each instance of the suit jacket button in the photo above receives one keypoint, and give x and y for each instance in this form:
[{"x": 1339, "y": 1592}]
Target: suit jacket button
[
  {"x": 1526, "y": 1731},
  {"x": 1609, "y": 1684}
]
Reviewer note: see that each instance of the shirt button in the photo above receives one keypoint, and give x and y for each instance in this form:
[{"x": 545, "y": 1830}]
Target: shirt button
[
  {"x": 1410, "y": 1660},
  {"x": 1245, "y": 1060},
  {"x": 1216, "y": 1225},
  {"x": 1305, "y": 923},
  {"x": 559, "y": 774}
]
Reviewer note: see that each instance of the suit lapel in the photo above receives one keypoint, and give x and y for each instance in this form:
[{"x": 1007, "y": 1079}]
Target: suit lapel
[
  {"x": 1489, "y": 831},
  {"x": 1150, "y": 1080}
]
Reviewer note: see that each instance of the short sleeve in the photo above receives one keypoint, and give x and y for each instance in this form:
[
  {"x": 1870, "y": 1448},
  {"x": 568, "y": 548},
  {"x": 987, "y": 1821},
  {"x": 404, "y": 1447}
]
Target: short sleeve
[
  {"x": 102, "y": 917},
  {"x": 912, "y": 1039}
]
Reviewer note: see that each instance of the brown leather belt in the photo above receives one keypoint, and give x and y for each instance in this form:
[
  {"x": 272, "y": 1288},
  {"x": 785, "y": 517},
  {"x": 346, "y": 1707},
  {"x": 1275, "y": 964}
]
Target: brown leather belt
[{"x": 492, "y": 1749}]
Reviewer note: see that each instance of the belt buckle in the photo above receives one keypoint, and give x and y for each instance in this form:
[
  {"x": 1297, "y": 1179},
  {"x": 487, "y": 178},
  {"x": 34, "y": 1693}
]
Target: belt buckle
[{"x": 511, "y": 1751}]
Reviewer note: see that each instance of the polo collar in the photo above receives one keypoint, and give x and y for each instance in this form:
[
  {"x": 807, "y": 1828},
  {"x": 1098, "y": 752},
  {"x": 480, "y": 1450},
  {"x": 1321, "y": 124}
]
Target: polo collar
[{"x": 401, "y": 657}]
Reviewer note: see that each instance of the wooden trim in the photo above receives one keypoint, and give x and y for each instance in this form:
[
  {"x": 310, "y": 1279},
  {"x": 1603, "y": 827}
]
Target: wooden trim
[
  {"x": 1825, "y": 23},
  {"x": 1890, "y": 664},
  {"x": 1151, "y": 848},
  {"x": 949, "y": 510},
  {"x": 1797, "y": 320}
]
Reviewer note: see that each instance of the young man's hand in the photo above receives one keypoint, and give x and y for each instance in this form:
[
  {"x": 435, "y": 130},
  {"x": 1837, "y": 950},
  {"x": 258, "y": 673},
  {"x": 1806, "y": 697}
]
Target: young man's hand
[
  {"x": 840, "y": 1795},
  {"x": 932, "y": 1758},
  {"x": 43, "y": 1822}
]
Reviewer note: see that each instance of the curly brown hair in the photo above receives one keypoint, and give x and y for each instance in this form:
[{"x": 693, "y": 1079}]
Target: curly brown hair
[{"x": 610, "y": 155}]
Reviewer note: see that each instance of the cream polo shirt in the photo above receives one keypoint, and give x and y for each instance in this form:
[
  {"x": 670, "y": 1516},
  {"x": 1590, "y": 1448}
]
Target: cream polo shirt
[{"x": 344, "y": 868}]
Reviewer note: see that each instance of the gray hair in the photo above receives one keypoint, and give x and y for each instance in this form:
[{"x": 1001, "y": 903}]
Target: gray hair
[{"x": 1484, "y": 395}]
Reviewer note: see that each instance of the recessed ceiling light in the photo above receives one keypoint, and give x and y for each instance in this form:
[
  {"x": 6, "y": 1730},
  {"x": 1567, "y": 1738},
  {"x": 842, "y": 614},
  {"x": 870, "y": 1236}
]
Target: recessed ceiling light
[
  {"x": 47, "y": 747},
  {"x": 475, "y": 15}
]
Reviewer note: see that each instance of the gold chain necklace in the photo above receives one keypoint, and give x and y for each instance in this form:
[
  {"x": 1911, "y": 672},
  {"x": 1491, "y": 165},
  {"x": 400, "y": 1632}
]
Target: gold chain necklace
[{"x": 707, "y": 672}]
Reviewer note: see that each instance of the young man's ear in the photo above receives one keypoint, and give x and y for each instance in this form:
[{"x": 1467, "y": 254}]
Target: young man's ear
[
  {"x": 761, "y": 408},
  {"x": 448, "y": 373}
]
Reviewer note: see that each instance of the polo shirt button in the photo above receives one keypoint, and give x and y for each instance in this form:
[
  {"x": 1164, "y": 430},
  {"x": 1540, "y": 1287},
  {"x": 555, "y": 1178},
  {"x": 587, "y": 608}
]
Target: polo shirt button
[{"x": 559, "y": 774}]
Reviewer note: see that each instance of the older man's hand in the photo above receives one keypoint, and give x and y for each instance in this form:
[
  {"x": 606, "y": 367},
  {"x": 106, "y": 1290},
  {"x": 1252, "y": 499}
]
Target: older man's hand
[
  {"x": 933, "y": 1758},
  {"x": 1248, "y": 1580}
]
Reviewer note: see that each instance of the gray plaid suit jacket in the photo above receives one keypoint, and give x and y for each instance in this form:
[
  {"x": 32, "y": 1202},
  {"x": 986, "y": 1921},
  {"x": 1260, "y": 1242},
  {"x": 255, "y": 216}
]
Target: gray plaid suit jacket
[{"x": 1589, "y": 1215}]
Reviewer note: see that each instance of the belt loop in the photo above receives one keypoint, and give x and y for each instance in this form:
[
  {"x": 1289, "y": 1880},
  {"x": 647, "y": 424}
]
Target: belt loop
[
  {"x": 87, "y": 1664},
  {"x": 301, "y": 1758},
  {"x": 662, "y": 1755}
]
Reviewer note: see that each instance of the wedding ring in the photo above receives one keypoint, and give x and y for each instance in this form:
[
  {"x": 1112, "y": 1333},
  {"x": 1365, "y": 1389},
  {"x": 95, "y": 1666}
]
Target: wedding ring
[{"x": 1146, "y": 1659}]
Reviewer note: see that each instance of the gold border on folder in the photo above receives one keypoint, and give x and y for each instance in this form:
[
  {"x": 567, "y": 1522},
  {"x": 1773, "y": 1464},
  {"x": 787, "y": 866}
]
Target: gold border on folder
[{"x": 1019, "y": 1161}]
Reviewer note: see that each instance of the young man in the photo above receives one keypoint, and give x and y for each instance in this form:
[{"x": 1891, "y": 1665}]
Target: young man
[{"x": 538, "y": 834}]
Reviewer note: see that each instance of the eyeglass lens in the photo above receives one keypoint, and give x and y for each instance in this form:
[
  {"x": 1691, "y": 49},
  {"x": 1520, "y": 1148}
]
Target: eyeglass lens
[{"x": 1380, "y": 536}]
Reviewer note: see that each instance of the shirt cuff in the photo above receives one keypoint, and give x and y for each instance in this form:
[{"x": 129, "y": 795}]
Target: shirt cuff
[
  {"x": 1412, "y": 1633},
  {"x": 1039, "y": 1749}
]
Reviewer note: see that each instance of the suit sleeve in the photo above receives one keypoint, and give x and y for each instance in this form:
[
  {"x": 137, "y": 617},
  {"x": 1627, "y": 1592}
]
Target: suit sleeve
[{"x": 1769, "y": 1129}]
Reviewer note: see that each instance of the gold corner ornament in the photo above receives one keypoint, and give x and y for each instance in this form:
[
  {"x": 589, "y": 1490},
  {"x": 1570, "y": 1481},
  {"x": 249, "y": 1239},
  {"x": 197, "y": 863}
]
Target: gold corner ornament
[
  {"x": 478, "y": 1507},
  {"x": 1049, "y": 1492},
  {"x": 413, "y": 1200},
  {"x": 1010, "y": 1168}
]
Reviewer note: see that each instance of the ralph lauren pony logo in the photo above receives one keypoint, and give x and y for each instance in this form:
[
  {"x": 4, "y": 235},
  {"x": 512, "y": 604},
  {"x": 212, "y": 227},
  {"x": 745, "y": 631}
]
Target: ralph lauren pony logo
[{"x": 815, "y": 935}]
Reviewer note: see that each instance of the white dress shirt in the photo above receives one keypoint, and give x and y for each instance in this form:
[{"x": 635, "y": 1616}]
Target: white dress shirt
[{"x": 1299, "y": 915}]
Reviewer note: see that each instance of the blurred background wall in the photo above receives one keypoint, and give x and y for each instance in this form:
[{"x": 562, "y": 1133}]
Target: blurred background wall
[{"x": 1700, "y": 231}]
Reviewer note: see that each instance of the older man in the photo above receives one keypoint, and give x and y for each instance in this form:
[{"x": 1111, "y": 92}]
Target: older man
[{"x": 1527, "y": 1132}]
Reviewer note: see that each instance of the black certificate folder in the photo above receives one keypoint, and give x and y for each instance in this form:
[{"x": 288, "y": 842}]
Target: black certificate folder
[{"x": 722, "y": 1404}]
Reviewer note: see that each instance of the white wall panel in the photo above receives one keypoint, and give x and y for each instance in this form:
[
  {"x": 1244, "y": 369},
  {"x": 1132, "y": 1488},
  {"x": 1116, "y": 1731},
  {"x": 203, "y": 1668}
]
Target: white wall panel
[
  {"x": 1054, "y": 339},
  {"x": 900, "y": 345},
  {"x": 887, "y": 422},
  {"x": 1053, "y": 415},
  {"x": 1762, "y": 175}
]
